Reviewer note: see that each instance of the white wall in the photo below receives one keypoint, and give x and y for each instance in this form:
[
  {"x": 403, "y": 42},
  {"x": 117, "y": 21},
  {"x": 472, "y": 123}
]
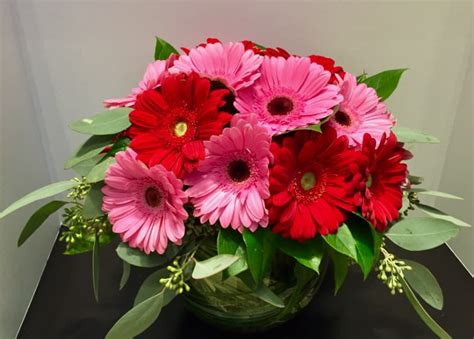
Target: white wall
[
  {"x": 80, "y": 52},
  {"x": 23, "y": 167}
]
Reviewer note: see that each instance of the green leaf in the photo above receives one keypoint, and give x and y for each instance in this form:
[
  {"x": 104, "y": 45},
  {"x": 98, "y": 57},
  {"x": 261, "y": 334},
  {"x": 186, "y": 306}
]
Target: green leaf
[
  {"x": 86, "y": 244},
  {"x": 266, "y": 294},
  {"x": 408, "y": 135},
  {"x": 97, "y": 173},
  {"x": 362, "y": 77},
  {"x": 214, "y": 265},
  {"x": 436, "y": 193},
  {"x": 418, "y": 234},
  {"x": 436, "y": 213},
  {"x": 378, "y": 242},
  {"x": 438, "y": 330},
  {"x": 119, "y": 146},
  {"x": 95, "y": 268},
  {"x": 341, "y": 267},
  {"x": 342, "y": 241},
  {"x": 152, "y": 286},
  {"x": 135, "y": 257},
  {"x": 230, "y": 242},
  {"x": 423, "y": 282},
  {"x": 363, "y": 236},
  {"x": 111, "y": 121},
  {"x": 93, "y": 202},
  {"x": 41, "y": 193},
  {"x": 138, "y": 319},
  {"x": 260, "y": 249},
  {"x": 125, "y": 274},
  {"x": 84, "y": 167},
  {"x": 89, "y": 149},
  {"x": 240, "y": 265},
  {"x": 163, "y": 49},
  {"x": 38, "y": 218},
  {"x": 309, "y": 254},
  {"x": 385, "y": 82},
  {"x": 415, "y": 180}
]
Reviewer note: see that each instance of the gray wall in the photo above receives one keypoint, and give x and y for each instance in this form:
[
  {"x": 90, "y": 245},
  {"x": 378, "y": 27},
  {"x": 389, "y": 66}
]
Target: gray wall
[{"x": 60, "y": 59}]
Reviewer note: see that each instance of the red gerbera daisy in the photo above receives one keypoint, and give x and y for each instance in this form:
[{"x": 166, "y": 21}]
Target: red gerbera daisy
[
  {"x": 329, "y": 65},
  {"x": 385, "y": 174},
  {"x": 169, "y": 124},
  {"x": 313, "y": 182}
]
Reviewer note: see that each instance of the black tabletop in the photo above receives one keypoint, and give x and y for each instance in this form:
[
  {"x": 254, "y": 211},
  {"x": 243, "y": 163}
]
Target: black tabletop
[{"x": 64, "y": 306}]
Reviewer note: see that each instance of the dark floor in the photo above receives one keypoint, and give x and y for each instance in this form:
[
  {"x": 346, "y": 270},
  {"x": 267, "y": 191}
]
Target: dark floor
[{"x": 64, "y": 306}]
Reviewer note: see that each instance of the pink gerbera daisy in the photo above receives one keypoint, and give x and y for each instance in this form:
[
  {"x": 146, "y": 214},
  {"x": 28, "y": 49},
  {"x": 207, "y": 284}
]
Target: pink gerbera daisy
[
  {"x": 152, "y": 79},
  {"x": 228, "y": 63},
  {"x": 291, "y": 93},
  {"x": 360, "y": 112},
  {"x": 231, "y": 184},
  {"x": 144, "y": 205}
]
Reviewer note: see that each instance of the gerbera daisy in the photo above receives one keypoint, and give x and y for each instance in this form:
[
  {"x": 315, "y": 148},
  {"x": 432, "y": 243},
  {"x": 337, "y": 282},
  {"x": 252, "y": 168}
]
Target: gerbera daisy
[
  {"x": 360, "y": 112},
  {"x": 313, "y": 183},
  {"x": 144, "y": 205},
  {"x": 230, "y": 185},
  {"x": 329, "y": 65},
  {"x": 154, "y": 74},
  {"x": 170, "y": 124},
  {"x": 291, "y": 93},
  {"x": 228, "y": 63},
  {"x": 385, "y": 175}
]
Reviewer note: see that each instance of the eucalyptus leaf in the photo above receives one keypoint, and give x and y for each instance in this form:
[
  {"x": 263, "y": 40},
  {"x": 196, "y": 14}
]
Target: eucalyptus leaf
[
  {"x": 41, "y": 193},
  {"x": 163, "y": 49},
  {"x": 341, "y": 267},
  {"x": 151, "y": 286},
  {"x": 95, "y": 268},
  {"x": 385, "y": 82},
  {"x": 89, "y": 149},
  {"x": 213, "y": 265},
  {"x": 84, "y": 167},
  {"x": 342, "y": 241},
  {"x": 260, "y": 249},
  {"x": 93, "y": 202},
  {"x": 409, "y": 135},
  {"x": 138, "y": 319},
  {"x": 125, "y": 274},
  {"x": 38, "y": 218},
  {"x": 111, "y": 121},
  {"x": 422, "y": 313},
  {"x": 97, "y": 173},
  {"x": 418, "y": 234},
  {"x": 423, "y": 282},
  {"x": 266, "y": 294},
  {"x": 436, "y": 213},
  {"x": 415, "y": 180},
  {"x": 135, "y": 257},
  {"x": 436, "y": 193},
  {"x": 309, "y": 254}
]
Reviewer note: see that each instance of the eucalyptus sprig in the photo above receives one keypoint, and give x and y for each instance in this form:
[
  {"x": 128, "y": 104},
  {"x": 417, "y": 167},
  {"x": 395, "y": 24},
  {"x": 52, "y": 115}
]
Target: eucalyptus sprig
[{"x": 391, "y": 271}]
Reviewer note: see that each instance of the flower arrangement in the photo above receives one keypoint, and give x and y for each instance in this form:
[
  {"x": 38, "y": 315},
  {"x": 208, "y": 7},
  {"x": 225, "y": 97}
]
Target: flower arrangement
[{"x": 239, "y": 172}]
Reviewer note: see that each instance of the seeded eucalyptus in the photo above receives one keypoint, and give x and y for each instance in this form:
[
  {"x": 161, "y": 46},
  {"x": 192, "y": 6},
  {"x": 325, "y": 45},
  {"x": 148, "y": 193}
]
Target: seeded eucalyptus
[{"x": 391, "y": 271}]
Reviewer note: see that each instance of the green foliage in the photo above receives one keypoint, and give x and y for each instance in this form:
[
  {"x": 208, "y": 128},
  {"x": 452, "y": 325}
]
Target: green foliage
[
  {"x": 409, "y": 135},
  {"x": 95, "y": 268},
  {"x": 97, "y": 173},
  {"x": 423, "y": 282},
  {"x": 41, "y": 193},
  {"x": 261, "y": 291},
  {"x": 260, "y": 249},
  {"x": 111, "y": 121},
  {"x": 363, "y": 235},
  {"x": 415, "y": 180},
  {"x": 309, "y": 254},
  {"x": 436, "y": 194},
  {"x": 84, "y": 167},
  {"x": 231, "y": 242},
  {"x": 422, "y": 313},
  {"x": 342, "y": 241},
  {"x": 125, "y": 274},
  {"x": 436, "y": 213},
  {"x": 139, "y": 318},
  {"x": 38, "y": 218},
  {"x": 341, "y": 267},
  {"x": 418, "y": 234},
  {"x": 135, "y": 257},
  {"x": 385, "y": 82},
  {"x": 120, "y": 145},
  {"x": 89, "y": 149},
  {"x": 151, "y": 286},
  {"x": 213, "y": 265},
  {"x": 93, "y": 202},
  {"x": 163, "y": 49}
]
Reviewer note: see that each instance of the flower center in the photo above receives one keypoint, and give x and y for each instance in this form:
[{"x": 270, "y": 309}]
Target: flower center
[
  {"x": 152, "y": 197},
  {"x": 180, "y": 129},
  {"x": 342, "y": 118},
  {"x": 238, "y": 170},
  {"x": 308, "y": 180},
  {"x": 280, "y": 106}
]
